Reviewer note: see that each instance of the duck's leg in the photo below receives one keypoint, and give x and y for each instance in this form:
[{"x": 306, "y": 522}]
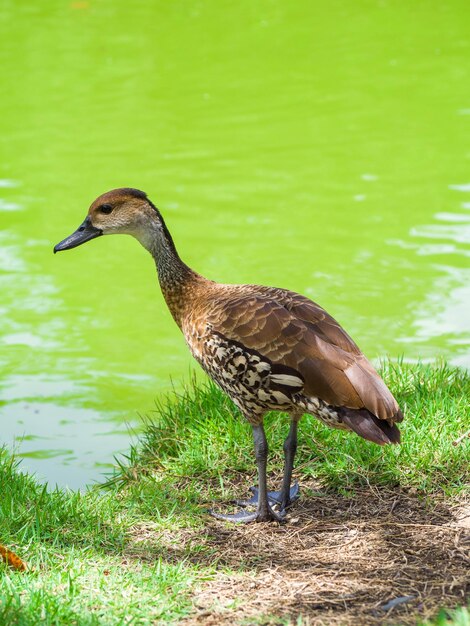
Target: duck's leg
[
  {"x": 264, "y": 512},
  {"x": 288, "y": 494}
]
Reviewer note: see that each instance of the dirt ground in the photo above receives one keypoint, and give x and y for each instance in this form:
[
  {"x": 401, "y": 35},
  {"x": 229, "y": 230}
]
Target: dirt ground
[{"x": 373, "y": 557}]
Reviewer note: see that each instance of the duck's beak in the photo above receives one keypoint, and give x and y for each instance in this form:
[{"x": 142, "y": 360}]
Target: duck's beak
[{"x": 85, "y": 232}]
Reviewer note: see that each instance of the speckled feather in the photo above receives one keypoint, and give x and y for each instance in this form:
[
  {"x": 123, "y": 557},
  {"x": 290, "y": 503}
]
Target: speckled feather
[{"x": 299, "y": 357}]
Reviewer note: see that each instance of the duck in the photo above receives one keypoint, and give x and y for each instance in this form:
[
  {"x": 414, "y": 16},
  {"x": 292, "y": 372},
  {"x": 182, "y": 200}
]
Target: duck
[{"x": 268, "y": 348}]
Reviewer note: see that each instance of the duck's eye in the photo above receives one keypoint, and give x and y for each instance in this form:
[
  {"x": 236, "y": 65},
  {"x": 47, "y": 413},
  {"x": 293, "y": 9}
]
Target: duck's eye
[{"x": 105, "y": 208}]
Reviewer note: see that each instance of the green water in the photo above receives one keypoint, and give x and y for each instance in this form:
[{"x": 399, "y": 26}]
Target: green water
[{"x": 322, "y": 147}]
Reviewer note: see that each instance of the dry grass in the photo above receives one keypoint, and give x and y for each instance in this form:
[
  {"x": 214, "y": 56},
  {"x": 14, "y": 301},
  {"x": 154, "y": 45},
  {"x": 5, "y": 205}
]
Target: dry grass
[{"x": 339, "y": 560}]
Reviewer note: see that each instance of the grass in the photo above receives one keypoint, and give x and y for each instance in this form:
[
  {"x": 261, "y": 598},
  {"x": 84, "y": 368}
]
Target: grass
[
  {"x": 74, "y": 545},
  {"x": 136, "y": 552},
  {"x": 459, "y": 617}
]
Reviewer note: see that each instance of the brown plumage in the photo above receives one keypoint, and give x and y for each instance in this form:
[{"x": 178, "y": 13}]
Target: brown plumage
[{"x": 267, "y": 348}]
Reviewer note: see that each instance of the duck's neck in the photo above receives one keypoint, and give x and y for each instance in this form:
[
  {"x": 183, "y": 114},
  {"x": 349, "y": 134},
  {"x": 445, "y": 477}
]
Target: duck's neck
[{"x": 177, "y": 280}]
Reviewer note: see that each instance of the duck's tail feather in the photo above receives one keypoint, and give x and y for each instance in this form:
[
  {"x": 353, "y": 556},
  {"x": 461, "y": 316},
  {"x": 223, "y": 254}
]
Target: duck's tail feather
[{"x": 370, "y": 427}]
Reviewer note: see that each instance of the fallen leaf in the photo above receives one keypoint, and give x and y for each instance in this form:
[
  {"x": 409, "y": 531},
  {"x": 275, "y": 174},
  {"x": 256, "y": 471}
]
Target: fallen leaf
[{"x": 12, "y": 559}]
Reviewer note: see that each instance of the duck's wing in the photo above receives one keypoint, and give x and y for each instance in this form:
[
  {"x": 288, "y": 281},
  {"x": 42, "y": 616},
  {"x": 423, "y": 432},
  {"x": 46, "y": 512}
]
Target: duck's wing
[{"x": 290, "y": 330}]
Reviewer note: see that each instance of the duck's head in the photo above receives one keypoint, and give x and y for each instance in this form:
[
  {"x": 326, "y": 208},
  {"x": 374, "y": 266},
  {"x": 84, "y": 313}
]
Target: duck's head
[{"x": 120, "y": 211}]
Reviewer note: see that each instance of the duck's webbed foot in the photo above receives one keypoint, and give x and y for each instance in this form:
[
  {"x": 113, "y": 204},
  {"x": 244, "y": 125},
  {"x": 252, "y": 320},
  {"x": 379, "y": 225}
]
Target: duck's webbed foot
[
  {"x": 274, "y": 497},
  {"x": 245, "y": 516}
]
